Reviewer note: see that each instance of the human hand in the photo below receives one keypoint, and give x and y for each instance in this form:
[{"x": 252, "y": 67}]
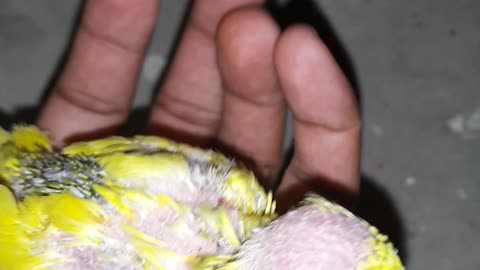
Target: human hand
[{"x": 233, "y": 77}]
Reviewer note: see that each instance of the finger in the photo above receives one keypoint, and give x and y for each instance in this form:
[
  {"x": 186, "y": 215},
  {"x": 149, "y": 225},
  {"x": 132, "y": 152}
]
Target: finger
[
  {"x": 188, "y": 106},
  {"x": 253, "y": 106},
  {"x": 95, "y": 89},
  {"x": 326, "y": 119}
]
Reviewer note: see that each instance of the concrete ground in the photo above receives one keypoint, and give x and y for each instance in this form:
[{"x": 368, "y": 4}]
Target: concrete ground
[{"x": 415, "y": 65}]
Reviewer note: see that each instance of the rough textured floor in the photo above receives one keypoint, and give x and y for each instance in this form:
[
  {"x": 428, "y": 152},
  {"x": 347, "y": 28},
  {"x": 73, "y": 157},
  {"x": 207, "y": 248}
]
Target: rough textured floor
[{"x": 416, "y": 66}]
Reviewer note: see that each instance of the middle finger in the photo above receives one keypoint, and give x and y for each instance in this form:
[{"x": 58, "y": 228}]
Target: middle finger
[
  {"x": 254, "y": 109},
  {"x": 188, "y": 107}
]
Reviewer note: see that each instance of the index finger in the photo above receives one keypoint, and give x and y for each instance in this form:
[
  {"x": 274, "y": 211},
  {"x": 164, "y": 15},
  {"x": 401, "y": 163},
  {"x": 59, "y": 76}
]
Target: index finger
[{"x": 93, "y": 94}]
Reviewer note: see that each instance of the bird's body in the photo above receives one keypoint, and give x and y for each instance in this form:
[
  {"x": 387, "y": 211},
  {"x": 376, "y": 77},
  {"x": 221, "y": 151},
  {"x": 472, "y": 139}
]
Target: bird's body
[{"x": 150, "y": 203}]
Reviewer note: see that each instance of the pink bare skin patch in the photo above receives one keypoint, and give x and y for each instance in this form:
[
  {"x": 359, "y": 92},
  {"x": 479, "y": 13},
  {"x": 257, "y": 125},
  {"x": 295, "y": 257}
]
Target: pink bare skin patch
[{"x": 308, "y": 238}]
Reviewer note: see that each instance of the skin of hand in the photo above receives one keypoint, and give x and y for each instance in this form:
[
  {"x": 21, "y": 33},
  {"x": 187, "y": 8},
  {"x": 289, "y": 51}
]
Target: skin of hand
[{"x": 230, "y": 83}]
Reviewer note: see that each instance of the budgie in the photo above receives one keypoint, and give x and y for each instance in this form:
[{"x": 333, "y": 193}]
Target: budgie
[{"x": 148, "y": 202}]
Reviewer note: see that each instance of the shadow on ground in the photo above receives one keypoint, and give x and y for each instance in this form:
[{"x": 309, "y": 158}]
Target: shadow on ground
[{"x": 376, "y": 206}]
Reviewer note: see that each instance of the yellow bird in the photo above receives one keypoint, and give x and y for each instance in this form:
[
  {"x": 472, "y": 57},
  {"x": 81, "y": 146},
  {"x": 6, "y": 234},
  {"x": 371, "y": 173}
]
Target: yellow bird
[{"x": 150, "y": 203}]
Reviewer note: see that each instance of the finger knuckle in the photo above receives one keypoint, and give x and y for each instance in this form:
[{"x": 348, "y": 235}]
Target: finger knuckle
[{"x": 91, "y": 101}]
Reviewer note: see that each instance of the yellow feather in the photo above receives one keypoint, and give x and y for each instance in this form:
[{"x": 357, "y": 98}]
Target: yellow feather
[
  {"x": 152, "y": 251},
  {"x": 30, "y": 138},
  {"x": 8, "y": 157},
  {"x": 219, "y": 221},
  {"x": 242, "y": 189},
  {"x": 114, "y": 199},
  {"x": 135, "y": 168},
  {"x": 99, "y": 147},
  {"x": 15, "y": 244},
  {"x": 223, "y": 262},
  {"x": 80, "y": 217},
  {"x": 4, "y": 136},
  {"x": 9, "y": 206}
]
